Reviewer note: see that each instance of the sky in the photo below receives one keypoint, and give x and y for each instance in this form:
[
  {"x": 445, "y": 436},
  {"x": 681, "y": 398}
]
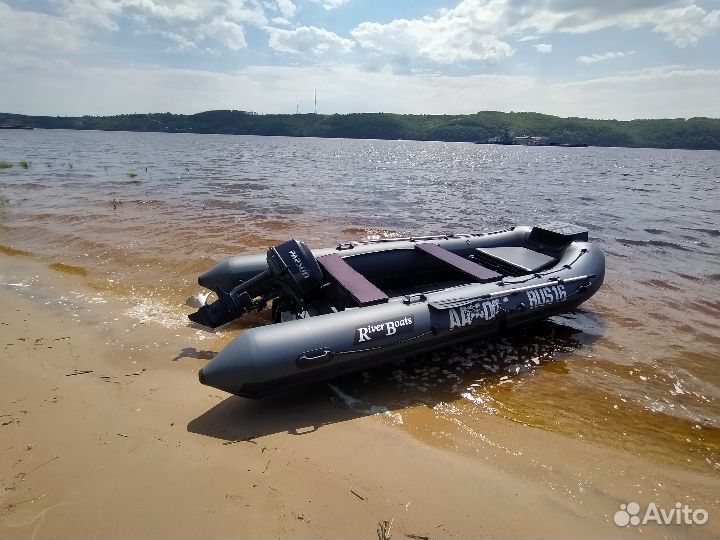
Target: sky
[{"x": 619, "y": 59}]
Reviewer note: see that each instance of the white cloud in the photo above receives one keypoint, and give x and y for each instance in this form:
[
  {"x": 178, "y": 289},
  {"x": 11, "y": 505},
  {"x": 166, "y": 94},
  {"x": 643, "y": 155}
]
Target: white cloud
[
  {"x": 308, "y": 39},
  {"x": 331, "y": 4},
  {"x": 464, "y": 33},
  {"x": 601, "y": 57},
  {"x": 544, "y": 48},
  {"x": 685, "y": 26},
  {"x": 238, "y": 12},
  {"x": 162, "y": 10},
  {"x": 38, "y": 33},
  {"x": 186, "y": 24},
  {"x": 286, "y": 8},
  {"x": 546, "y": 16},
  {"x": 190, "y": 23},
  {"x": 180, "y": 43},
  {"x": 479, "y": 29},
  {"x": 98, "y": 13},
  {"x": 230, "y": 34}
]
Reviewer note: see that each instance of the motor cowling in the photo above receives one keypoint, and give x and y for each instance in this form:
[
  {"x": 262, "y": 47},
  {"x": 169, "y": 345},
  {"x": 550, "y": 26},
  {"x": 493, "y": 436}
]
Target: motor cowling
[{"x": 292, "y": 274}]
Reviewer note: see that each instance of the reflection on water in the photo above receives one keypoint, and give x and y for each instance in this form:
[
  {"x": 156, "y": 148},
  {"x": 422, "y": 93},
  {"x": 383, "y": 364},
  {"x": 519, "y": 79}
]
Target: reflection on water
[{"x": 142, "y": 214}]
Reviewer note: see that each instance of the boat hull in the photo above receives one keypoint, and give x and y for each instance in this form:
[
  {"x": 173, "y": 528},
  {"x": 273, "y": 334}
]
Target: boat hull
[{"x": 276, "y": 358}]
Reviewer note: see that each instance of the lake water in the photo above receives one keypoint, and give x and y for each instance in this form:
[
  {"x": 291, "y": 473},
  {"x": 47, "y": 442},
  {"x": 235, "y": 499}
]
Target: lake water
[{"x": 142, "y": 214}]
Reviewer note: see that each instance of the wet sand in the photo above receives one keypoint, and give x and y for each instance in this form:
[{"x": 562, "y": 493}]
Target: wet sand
[{"x": 106, "y": 433}]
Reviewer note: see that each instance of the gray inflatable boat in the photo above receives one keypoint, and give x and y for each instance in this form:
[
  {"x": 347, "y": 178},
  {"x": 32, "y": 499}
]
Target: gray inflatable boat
[{"x": 361, "y": 304}]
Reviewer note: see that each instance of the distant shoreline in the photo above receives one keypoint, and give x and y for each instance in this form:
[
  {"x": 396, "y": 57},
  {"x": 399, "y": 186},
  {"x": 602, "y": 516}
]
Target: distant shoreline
[{"x": 689, "y": 134}]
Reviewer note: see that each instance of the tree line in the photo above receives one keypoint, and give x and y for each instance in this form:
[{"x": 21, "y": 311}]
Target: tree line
[{"x": 691, "y": 133}]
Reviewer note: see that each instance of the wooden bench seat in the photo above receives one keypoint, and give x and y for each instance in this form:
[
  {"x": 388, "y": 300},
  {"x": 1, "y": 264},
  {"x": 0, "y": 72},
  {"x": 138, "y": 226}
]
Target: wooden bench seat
[
  {"x": 467, "y": 267},
  {"x": 357, "y": 286}
]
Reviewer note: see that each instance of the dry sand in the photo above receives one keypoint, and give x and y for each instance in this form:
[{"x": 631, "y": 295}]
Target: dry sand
[{"x": 107, "y": 433}]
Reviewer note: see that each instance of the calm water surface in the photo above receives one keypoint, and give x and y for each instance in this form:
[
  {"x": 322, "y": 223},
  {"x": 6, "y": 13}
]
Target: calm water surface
[{"x": 635, "y": 368}]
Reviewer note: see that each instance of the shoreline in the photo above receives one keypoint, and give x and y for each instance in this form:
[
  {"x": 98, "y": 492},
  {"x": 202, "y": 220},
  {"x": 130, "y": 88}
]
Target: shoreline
[
  {"x": 690, "y": 134},
  {"x": 106, "y": 432},
  {"x": 563, "y": 146}
]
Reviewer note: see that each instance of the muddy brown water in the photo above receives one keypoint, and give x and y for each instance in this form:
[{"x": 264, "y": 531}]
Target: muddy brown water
[{"x": 140, "y": 215}]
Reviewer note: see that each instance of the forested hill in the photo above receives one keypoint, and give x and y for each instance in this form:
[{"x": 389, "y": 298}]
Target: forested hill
[{"x": 693, "y": 133}]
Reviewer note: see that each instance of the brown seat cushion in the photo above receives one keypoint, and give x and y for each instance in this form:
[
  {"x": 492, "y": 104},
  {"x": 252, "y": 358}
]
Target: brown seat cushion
[
  {"x": 359, "y": 288},
  {"x": 474, "y": 270}
]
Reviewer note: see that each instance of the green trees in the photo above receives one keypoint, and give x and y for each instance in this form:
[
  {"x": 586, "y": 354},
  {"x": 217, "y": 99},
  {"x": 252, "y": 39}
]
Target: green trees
[{"x": 692, "y": 133}]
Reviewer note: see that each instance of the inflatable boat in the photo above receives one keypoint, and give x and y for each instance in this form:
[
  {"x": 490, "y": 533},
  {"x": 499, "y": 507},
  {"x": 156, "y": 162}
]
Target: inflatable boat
[{"x": 360, "y": 304}]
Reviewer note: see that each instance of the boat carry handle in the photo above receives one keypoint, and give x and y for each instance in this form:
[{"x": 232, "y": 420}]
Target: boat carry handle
[
  {"x": 315, "y": 357},
  {"x": 414, "y": 298}
]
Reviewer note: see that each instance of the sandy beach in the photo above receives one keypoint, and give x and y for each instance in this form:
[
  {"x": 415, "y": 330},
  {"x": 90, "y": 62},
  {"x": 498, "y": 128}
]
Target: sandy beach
[{"x": 106, "y": 433}]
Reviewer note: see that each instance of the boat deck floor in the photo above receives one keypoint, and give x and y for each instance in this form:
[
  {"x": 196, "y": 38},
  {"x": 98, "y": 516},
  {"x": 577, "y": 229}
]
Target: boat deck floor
[{"x": 426, "y": 288}]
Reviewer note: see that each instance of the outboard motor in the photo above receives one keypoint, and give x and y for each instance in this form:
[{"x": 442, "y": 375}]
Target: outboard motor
[{"x": 292, "y": 273}]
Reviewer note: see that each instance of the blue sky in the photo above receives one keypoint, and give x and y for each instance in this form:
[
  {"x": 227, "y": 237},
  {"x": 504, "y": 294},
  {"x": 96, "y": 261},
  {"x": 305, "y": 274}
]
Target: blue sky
[{"x": 600, "y": 59}]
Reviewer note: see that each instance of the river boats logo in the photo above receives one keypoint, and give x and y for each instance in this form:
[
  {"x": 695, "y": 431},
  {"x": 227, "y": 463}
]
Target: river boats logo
[
  {"x": 631, "y": 514},
  {"x": 384, "y": 329}
]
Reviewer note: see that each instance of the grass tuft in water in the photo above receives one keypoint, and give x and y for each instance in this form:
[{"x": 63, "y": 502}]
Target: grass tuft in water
[
  {"x": 132, "y": 174},
  {"x": 69, "y": 269},
  {"x": 25, "y": 164},
  {"x": 9, "y": 250},
  {"x": 5, "y": 165}
]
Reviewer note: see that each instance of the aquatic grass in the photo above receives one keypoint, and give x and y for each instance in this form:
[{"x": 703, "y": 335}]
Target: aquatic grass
[
  {"x": 69, "y": 269},
  {"x": 5, "y": 165},
  {"x": 9, "y": 250},
  {"x": 25, "y": 164},
  {"x": 132, "y": 174}
]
